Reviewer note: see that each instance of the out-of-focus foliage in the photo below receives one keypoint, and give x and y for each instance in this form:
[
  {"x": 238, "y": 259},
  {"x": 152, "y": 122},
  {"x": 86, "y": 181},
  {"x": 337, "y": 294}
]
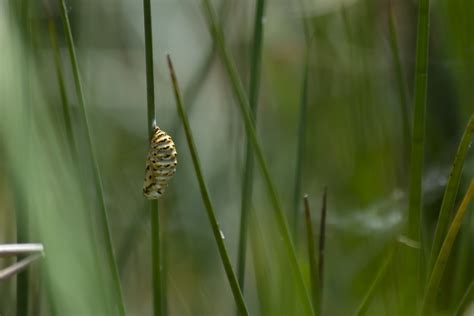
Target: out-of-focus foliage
[{"x": 354, "y": 147}]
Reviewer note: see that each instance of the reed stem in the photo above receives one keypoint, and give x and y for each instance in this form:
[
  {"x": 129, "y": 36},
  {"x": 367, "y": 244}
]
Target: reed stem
[
  {"x": 401, "y": 81},
  {"x": 322, "y": 244},
  {"x": 107, "y": 237},
  {"x": 247, "y": 184},
  {"x": 158, "y": 295},
  {"x": 252, "y": 135},
  {"x": 313, "y": 262},
  {"x": 443, "y": 256},
  {"x": 218, "y": 234},
  {"x": 451, "y": 191}
]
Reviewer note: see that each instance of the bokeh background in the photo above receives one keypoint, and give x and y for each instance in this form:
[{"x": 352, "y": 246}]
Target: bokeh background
[{"x": 354, "y": 146}]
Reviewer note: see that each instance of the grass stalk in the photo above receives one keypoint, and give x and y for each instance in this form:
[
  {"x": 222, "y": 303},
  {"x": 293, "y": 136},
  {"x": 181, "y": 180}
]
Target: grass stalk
[
  {"x": 301, "y": 124},
  {"x": 461, "y": 262},
  {"x": 322, "y": 242},
  {"x": 302, "y": 127},
  {"x": 465, "y": 300},
  {"x": 252, "y": 135},
  {"x": 23, "y": 215},
  {"x": 381, "y": 273},
  {"x": 53, "y": 35},
  {"x": 415, "y": 259},
  {"x": 156, "y": 261},
  {"x": 451, "y": 191},
  {"x": 418, "y": 137},
  {"x": 443, "y": 256},
  {"x": 190, "y": 95},
  {"x": 218, "y": 235},
  {"x": 260, "y": 260},
  {"x": 158, "y": 295},
  {"x": 105, "y": 229},
  {"x": 401, "y": 80},
  {"x": 247, "y": 184},
  {"x": 313, "y": 263}
]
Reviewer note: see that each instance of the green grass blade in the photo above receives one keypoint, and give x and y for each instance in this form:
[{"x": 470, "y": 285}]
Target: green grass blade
[
  {"x": 466, "y": 299},
  {"x": 401, "y": 80},
  {"x": 158, "y": 295},
  {"x": 451, "y": 191},
  {"x": 247, "y": 184},
  {"x": 156, "y": 259},
  {"x": 23, "y": 213},
  {"x": 150, "y": 87},
  {"x": 302, "y": 126},
  {"x": 418, "y": 138},
  {"x": 62, "y": 87},
  {"x": 414, "y": 259},
  {"x": 382, "y": 271},
  {"x": 252, "y": 135},
  {"x": 442, "y": 259},
  {"x": 313, "y": 263},
  {"x": 256, "y": 56},
  {"x": 105, "y": 229},
  {"x": 236, "y": 291},
  {"x": 322, "y": 243}
]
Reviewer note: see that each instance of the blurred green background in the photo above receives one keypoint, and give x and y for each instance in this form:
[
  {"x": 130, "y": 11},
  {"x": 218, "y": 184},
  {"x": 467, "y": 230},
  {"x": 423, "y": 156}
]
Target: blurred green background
[{"x": 354, "y": 146}]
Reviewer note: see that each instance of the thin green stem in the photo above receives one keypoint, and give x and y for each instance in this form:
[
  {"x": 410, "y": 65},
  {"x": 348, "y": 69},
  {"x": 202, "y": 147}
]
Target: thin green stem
[
  {"x": 322, "y": 244},
  {"x": 415, "y": 260},
  {"x": 218, "y": 235},
  {"x": 451, "y": 191},
  {"x": 247, "y": 184},
  {"x": 256, "y": 55},
  {"x": 443, "y": 256},
  {"x": 313, "y": 262},
  {"x": 401, "y": 81},
  {"x": 252, "y": 135},
  {"x": 461, "y": 263},
  {"x": 302, "y": 127},
  {"x": 53, "y": 35},
  {"x": 466, "y": 299},
  {"x": 418, "y": 137},
  {"x": 301, "y": 139},
  {"x": 302, "y": 124},
  {"x": 23, "y": 215},
  {"x": 150, "y": 79},
  {"x": 158, "y": 295},
  {"x": 112, "y": 265},
  {"x": 190, "y": 95}
]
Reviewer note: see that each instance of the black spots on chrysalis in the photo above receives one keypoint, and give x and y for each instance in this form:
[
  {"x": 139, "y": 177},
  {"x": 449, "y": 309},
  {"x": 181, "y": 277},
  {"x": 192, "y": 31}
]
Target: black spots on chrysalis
[{"x": 160, "y": 164}]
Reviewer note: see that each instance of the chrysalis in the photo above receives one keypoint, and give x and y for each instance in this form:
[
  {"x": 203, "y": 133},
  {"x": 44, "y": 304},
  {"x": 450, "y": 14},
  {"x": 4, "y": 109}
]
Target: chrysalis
[{"x": 160, "y": 164}]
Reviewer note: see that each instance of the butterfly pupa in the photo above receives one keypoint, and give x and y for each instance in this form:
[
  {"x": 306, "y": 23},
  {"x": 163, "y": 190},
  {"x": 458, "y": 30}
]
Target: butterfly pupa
[{"x": 160, "y": 164}]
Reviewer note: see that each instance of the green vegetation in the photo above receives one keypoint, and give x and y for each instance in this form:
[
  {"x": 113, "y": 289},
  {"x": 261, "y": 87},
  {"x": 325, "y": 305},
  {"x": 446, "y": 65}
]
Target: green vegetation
[{"x": 365, "y": 106}]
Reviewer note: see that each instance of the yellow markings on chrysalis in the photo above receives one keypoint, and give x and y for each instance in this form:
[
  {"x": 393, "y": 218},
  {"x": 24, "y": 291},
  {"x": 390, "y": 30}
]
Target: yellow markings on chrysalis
[{"x": 160, "y": 164}]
